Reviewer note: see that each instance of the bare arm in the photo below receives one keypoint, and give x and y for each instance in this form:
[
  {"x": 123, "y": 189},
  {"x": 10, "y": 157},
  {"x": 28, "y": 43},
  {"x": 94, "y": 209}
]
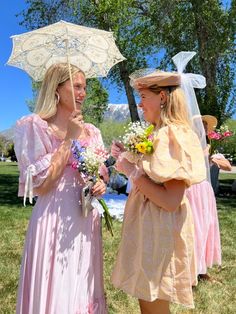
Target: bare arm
[
  {"x": 222, "y": 163},
  {"x": 168, "y": 196}
]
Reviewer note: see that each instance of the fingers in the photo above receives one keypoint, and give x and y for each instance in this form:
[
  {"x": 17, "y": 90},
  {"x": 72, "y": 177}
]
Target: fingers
[
  {"x": 75, "y": 125},
  {"x": 99, "y": 188},
  {"x": 77, "y": 116},
  {"x": 118, "y": 144},
  {"x": 115, "y": 152},
  {"x": 116, "y": 149}
]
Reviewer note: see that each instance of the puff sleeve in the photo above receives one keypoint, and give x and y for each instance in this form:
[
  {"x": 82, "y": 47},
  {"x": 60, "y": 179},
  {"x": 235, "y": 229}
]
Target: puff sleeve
[
  {"x": 33, "y": 150},
  {"x": 96, "y": 137},
  {"x": 177, "y": 155}
]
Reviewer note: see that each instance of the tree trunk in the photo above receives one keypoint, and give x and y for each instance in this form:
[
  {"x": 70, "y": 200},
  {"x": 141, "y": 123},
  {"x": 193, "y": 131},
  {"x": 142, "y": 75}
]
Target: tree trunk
[
  {"x": 208, "y": 63},
  {"x": 129, "y": 92}
]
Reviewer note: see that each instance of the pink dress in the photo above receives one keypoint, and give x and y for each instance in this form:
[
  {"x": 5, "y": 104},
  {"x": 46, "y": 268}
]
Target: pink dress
[
  {"x": 61, "y": 269},
  {"x": 207, "y": 236}
]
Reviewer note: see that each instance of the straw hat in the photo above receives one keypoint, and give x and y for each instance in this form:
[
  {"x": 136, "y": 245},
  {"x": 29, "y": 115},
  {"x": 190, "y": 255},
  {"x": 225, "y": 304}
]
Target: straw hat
[
  {"x": 211, "y": 122},
  {"x": 157, "y": 77}
]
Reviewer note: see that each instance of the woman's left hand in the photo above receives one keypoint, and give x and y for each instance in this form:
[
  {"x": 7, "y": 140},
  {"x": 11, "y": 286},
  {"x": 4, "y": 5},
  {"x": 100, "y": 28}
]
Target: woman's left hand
[
  {"x": 99, "y": 188},
  {"x": 124, "y": 166}
]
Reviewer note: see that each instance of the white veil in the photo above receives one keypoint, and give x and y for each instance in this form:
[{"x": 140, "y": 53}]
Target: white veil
[{"x": 189, "y": 81}]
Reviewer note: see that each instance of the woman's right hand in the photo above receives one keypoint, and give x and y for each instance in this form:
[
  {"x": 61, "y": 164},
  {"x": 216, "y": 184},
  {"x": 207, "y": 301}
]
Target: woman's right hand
[
  {"x": 75, "y": 125},
  {"x": 116, "y": 149}
]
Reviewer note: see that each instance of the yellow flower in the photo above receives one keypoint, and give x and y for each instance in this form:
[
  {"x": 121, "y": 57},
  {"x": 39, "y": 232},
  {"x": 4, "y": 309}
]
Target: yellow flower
[{"x": 141, "y": 147}]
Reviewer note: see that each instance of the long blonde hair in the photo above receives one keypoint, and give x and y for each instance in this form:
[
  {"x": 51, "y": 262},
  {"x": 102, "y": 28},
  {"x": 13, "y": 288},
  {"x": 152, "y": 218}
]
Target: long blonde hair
[
  {"x": 175, "y": 109},
  {"x": 57, "y": 74}
]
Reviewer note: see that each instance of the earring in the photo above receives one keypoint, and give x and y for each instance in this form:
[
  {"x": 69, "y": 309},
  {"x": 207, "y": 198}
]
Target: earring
[
  {"x": 162, "y": 106},
  {"x": 57, "y": 97}
]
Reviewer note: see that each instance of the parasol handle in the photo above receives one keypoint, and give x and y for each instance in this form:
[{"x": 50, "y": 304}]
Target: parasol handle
[{"x": 69, "y": 68}]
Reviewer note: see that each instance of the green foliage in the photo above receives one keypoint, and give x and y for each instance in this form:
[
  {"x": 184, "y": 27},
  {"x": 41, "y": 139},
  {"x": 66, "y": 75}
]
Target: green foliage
[
  {"x": 6, "y": 146},
  {"x": 35, "y": 89},
  {"x": 14, "y": 220},
  {"x": 229, "y": 145},
  {"x": 3, "y": 143},
  {"x": 192, "y": 25},
  {"x": 96, "y": 102},
  {"x": 41, "y": 13},
  {"x": 11, "y": 152},
  {"x": 112, "y": 130},
  {"x": 108, "y": 15},
  {"x": 144, "y": 28}
]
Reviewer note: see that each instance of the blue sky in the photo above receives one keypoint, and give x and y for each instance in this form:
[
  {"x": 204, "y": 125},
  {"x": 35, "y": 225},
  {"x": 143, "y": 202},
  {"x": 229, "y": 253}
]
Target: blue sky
[{"x": 15, "y": 84}]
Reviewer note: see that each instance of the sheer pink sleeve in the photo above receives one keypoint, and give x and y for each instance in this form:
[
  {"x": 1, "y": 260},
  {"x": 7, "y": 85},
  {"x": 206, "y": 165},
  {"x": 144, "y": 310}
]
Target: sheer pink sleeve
[
  {"x": 33, "y": 150},
  {"x": 95, "y": 135}
]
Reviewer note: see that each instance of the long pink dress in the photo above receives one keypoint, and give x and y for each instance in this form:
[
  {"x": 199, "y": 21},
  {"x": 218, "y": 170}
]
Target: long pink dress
[
  {"x": 61, "y": 269},
  {"x": 207, "y": 236}
]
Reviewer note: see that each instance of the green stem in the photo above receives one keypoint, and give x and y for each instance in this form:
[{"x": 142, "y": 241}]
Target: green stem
[{"x": 107, "y": 216}]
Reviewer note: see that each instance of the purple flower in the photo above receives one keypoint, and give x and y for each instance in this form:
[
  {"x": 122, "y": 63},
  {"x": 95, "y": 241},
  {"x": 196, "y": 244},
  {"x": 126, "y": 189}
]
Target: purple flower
[{"x": 77, "y": 149}]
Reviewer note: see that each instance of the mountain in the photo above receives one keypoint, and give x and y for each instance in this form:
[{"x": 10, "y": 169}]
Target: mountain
[
  {"x": 8, "y": 134},
  {"x": 118, "y": 112}
]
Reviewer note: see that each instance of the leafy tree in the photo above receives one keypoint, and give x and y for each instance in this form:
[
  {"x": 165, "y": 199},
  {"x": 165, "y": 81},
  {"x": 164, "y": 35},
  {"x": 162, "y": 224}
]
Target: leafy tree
[
  {"x": 35, "y": 89},
  {"x": 95, "y": 103},
  {"x": 144, "y": 27},
  {"x": 132, "y": 35},
  {"x": 5, "y": 145},
  {"x": 2, "y": 145},
  {"x": 11, "y": 152},
  {"x": 205, "y": 26},
  {"x": 41, "y": 13}
]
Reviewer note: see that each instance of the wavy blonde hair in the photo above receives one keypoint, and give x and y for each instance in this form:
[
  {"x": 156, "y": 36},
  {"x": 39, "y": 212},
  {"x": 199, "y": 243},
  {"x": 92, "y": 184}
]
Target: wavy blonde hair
[
  {"x": 175, "y": 110},
  {"x": 56, "y": 75}
]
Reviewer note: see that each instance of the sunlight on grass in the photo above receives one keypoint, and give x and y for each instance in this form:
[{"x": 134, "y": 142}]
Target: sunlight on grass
[{"x": 217, "y": 297}]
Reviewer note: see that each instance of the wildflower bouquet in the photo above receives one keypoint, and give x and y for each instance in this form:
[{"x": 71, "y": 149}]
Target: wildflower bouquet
[
  {"x": 217, "y": 137},
  {"x": 138, "y": 140},
  {"x": 89, "y": 161}
]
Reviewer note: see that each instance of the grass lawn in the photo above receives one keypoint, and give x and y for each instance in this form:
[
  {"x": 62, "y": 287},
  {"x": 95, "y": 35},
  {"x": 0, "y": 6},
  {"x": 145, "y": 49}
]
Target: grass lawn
[{"x": 218, "y": 297}]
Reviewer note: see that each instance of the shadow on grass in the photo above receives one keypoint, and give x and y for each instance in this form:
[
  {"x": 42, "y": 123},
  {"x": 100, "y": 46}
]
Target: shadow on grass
[
  {"x": 227, "y": 201},
  {"x": 9, "y": 190},
  {"x": 226, "y": 182}
]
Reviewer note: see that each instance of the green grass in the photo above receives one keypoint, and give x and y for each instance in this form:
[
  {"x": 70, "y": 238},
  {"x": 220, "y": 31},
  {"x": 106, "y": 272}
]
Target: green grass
[
  {"x": 210, "y": 297},
  {"x": 13, "y": 224}
]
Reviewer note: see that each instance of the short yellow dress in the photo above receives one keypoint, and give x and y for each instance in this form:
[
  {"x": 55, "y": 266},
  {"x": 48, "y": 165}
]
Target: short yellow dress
[{"x": 156, "y": 255}]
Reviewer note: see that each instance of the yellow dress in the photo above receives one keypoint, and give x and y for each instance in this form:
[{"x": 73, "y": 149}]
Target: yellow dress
[{"x": 156, "y": 255}]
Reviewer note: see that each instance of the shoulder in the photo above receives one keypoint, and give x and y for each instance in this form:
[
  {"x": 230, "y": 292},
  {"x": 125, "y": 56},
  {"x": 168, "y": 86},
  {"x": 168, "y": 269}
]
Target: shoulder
[
  {"x": 32, "y": 120},
  {"x": 174, "y": 131},
  {"x": 32, "y": 127}
]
